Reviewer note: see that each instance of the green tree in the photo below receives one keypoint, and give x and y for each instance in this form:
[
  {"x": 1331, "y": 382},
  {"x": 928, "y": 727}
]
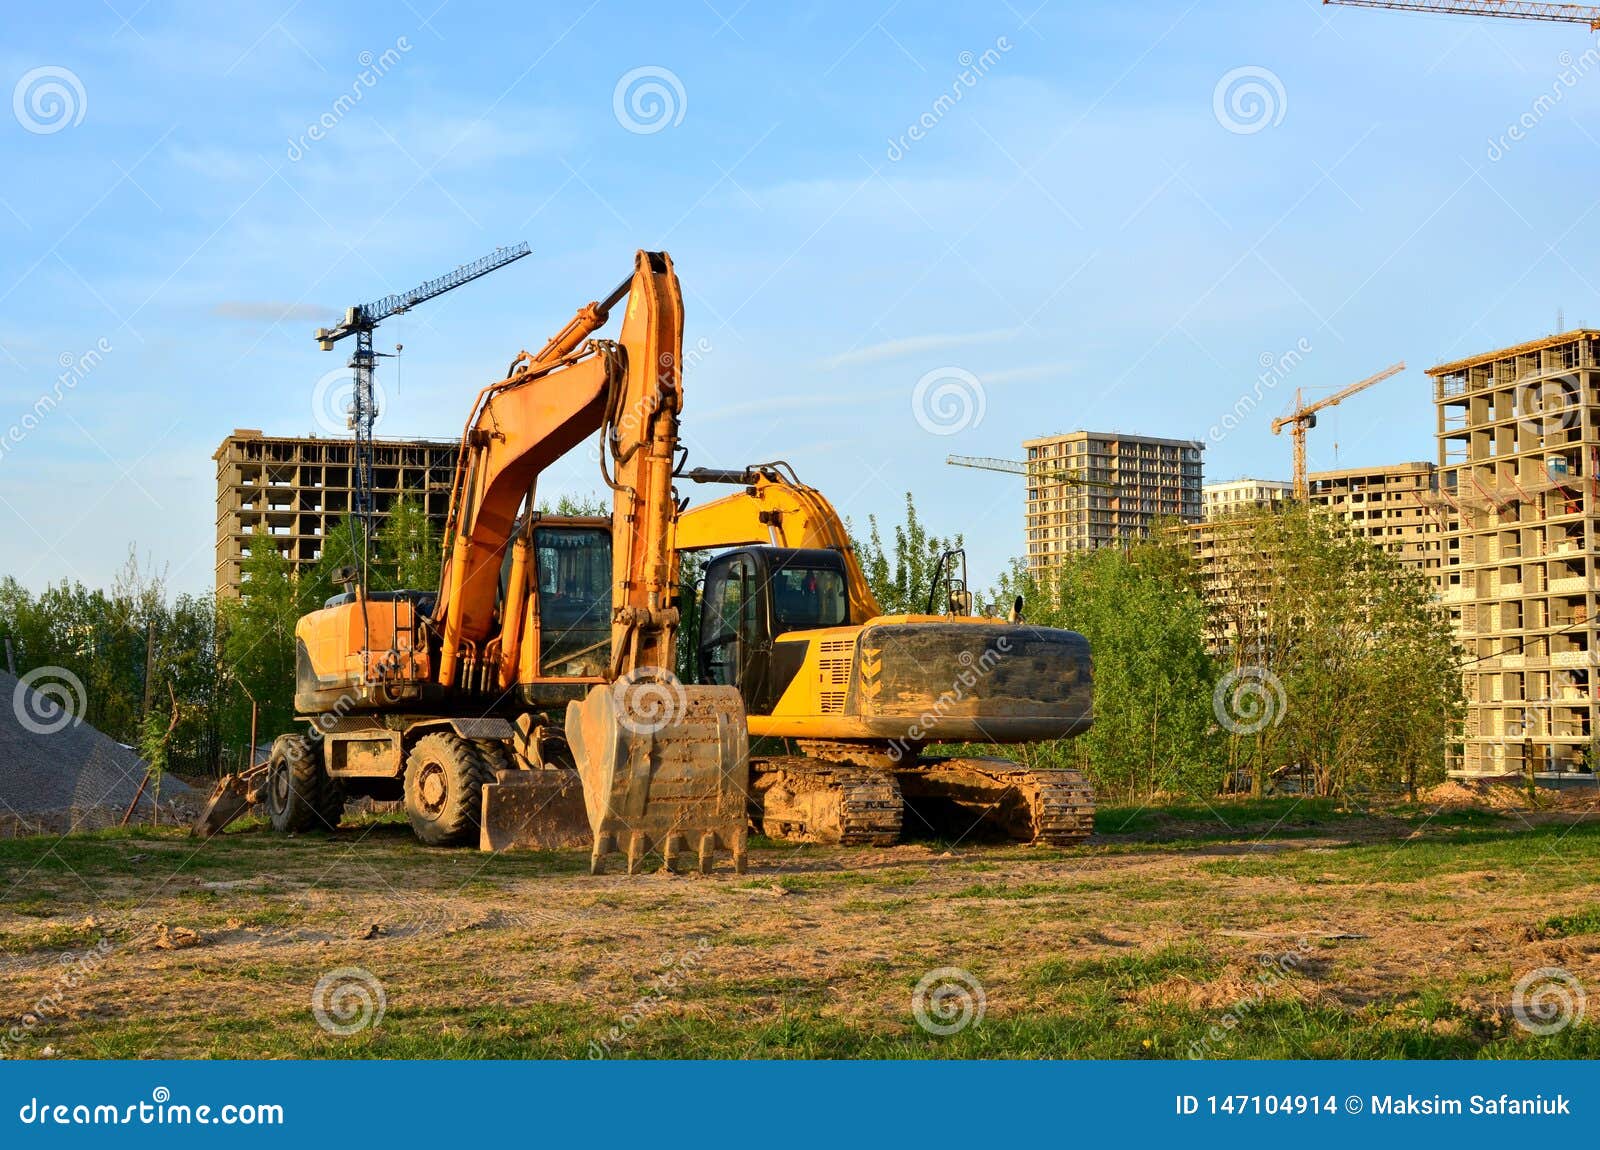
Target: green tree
[
  {"x": 408, "y": 548},
  {"x": 1153, "y": 729},
  {"x": 901, "y": 574},
  {"x": 127, "y": 646},
  {"x": 1346, "y": 649},
  {"x": 258, "y": 649}
]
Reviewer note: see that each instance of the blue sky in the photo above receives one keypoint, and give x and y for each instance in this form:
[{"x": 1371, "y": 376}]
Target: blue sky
[{"x": 1094, "y": 235}]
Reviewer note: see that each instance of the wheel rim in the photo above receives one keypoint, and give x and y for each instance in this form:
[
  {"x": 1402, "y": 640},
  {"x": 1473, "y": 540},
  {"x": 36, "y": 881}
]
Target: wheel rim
[
  {"x": 433, "y": 789},
  {"x": 278, "y": 787}
]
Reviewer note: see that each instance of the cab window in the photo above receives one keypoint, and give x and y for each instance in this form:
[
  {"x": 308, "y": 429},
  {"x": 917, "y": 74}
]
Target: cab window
[
  {"x": 574, "y": 572},
  {"x": 804, "y": 597},
  {"x": 730, "y": 621}
]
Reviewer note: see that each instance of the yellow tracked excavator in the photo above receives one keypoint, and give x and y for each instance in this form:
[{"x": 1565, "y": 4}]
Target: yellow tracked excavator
[
  {"x": 531, "y": 701},
  {"x": 844, "y": 702}
]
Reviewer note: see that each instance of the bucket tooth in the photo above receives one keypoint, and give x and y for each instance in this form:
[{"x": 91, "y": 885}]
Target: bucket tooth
[
  {"x": 637, "y": 845},
  {"x": 677, "y": 845},
  {"x": 604, "y": 845},
  {"x": 708, "y": 852}
]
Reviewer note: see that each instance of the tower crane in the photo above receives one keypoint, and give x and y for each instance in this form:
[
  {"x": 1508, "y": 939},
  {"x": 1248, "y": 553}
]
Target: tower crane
[
  {"x": 1507, "y": 9},
  {"x": 360, "y": 322},
  {"x": 1304, "y": 417},
  {"x": 1016, "y": 467}
]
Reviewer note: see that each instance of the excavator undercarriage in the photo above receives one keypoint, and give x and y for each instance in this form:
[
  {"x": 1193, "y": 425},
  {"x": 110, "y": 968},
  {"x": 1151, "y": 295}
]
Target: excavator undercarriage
[{"x": 798, "y": 798}]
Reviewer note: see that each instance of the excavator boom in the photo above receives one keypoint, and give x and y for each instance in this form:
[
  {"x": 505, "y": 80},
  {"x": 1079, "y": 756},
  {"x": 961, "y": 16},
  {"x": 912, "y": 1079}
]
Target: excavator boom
[{"x": 662, "y": 764}]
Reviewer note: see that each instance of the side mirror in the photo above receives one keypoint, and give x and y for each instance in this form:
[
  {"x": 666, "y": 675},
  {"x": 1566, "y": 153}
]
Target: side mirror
[
  {"x": 1016, "y": 609},
  {"x": 346, "y": 575}
]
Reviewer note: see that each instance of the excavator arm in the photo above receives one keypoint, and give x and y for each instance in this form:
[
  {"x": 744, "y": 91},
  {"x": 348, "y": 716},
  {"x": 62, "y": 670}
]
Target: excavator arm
[
  {"x": 663, "y": 766},
  {"x": 630, "y": 391},
  {"x": 775, "y": 508}
]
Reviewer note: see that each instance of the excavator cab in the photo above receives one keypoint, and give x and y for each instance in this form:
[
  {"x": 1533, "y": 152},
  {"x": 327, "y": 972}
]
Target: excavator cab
[
  {"x": 572, "y": 567},
  {"x": 751, "y": 597}
]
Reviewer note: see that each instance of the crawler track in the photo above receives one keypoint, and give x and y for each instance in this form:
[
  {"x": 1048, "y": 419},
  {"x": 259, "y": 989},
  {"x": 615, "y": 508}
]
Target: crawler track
[
  {"x": 801, "y": 799},
  {"x": 798, "y": 799}
]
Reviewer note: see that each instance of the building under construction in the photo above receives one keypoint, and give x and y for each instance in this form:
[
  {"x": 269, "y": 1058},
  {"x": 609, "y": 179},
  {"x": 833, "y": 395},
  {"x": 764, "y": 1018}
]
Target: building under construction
[
  {"x": 1397, "y": 506},
  {"x": 1519, "y": 430},
  {"x": 291, "y": 491},
  {"x": 1089, "y": 489}
]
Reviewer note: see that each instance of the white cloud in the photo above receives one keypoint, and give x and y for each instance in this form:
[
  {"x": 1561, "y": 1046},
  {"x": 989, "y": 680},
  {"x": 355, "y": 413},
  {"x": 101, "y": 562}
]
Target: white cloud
[{"x": 912, "y": 345}]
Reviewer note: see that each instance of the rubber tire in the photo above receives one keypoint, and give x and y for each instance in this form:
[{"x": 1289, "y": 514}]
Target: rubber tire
[
  {"x": 299, "y": 794},
  {"x": 496, "y": 755},
  {"x": 464, "y": 772}
]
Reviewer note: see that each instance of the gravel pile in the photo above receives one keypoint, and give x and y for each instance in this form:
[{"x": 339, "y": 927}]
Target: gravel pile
[{"x": 58, "y": 774}]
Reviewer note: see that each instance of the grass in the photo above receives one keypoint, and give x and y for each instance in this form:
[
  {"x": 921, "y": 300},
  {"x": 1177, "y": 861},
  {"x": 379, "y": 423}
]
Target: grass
[
  {"x": 1223, "y": 818},
  {"x": 1523, "y": 852},
  {"x": 1412, "y": 927},
  {"x": 1586, "y": 921}
]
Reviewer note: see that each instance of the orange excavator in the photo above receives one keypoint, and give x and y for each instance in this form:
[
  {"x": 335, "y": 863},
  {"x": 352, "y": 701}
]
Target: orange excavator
[{"x": 531, "y": 701}]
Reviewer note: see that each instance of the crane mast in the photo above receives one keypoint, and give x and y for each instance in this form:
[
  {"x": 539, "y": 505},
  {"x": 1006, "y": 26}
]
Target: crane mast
[{"x": 361, "y": 321}]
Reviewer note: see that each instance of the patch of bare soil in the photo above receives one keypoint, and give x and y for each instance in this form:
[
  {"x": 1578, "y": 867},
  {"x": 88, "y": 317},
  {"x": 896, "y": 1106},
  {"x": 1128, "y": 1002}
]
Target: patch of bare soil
[{"x": 845, "y": 932}]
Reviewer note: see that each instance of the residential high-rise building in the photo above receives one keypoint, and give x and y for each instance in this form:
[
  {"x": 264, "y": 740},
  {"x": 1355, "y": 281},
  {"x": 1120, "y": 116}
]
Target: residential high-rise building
[
  {"x": 1396, "y": 506},
  {"x": 293, "y": 490},
  {"x": 1127, "y": 483},
  {"x": 1236, "y": 495},
  {"x": 1519, "y": 459}
]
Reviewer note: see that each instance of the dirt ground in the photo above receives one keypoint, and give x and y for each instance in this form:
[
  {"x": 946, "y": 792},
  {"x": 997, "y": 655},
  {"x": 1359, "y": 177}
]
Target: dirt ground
[{"x": 1288, "y": 928}]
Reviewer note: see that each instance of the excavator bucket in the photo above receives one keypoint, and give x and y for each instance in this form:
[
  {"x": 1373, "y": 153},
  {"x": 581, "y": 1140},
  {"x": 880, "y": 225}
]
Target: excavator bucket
[
  {"x": 534, "y": 810},
  {"x": 666, "y": 770},
  {"x": 232, "y": 796}
]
